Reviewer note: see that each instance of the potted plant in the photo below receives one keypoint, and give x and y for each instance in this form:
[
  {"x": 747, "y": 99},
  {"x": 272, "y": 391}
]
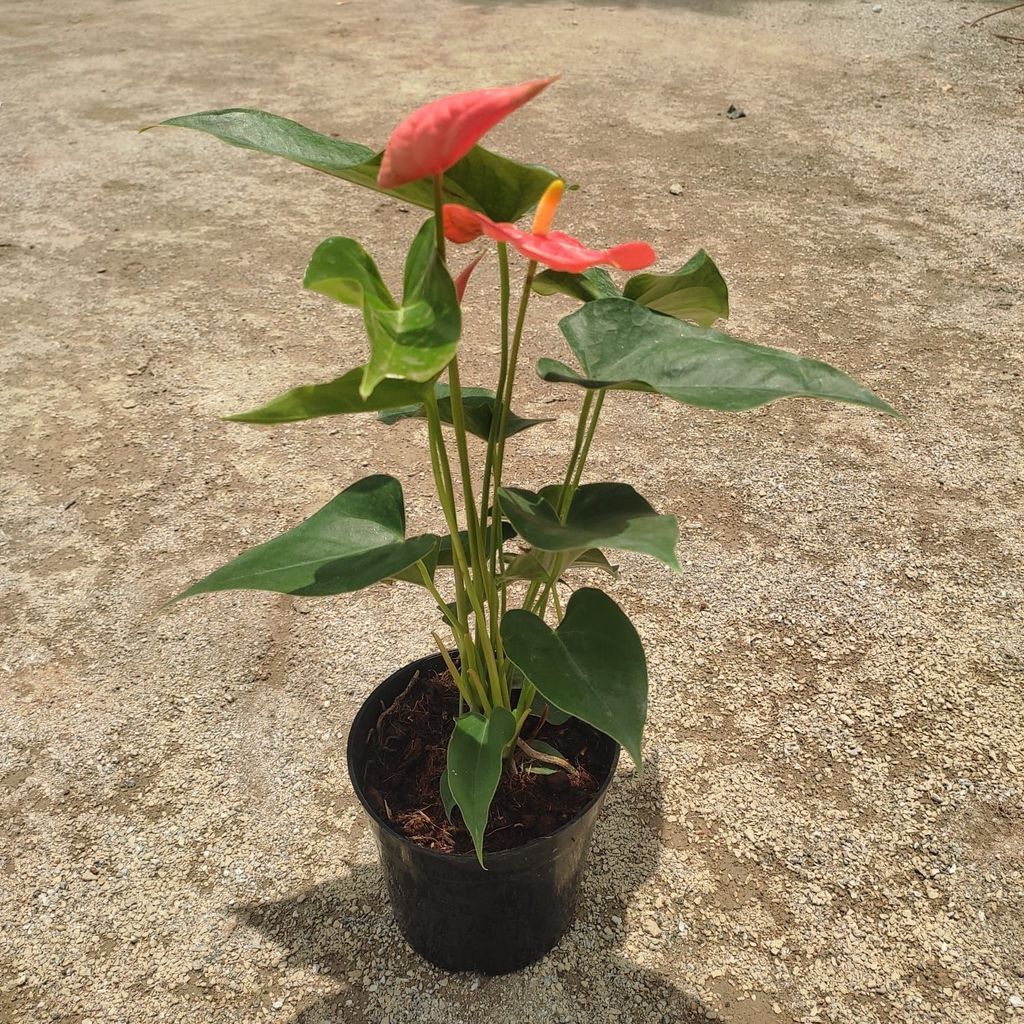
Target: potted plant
[{"x": 483, "y": 766}]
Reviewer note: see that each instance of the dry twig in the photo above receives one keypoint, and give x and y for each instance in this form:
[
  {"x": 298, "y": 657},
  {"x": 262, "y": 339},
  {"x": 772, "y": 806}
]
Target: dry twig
[{"x": 992, "y": 14}]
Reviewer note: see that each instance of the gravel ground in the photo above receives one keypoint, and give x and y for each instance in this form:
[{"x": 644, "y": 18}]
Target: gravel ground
[{"x": 832, "y": 827}]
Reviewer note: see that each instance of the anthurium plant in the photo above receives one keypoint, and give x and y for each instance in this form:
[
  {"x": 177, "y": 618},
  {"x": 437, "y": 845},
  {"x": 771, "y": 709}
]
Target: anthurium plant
[{"x": 503, "y": 561}]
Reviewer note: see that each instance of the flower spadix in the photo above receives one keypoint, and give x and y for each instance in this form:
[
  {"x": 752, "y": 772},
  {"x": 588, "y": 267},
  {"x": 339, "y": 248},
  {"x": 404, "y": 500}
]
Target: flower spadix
[
  {"x": 441, "y": 133},
  {"x": 553, "y": 249}
]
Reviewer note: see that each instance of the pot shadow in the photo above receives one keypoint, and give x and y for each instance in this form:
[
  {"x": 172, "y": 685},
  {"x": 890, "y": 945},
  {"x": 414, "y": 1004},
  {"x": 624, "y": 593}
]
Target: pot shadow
[{"x": 343, "y": 930}]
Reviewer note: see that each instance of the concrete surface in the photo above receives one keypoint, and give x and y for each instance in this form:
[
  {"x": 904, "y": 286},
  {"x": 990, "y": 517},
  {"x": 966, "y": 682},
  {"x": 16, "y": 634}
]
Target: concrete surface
[{"x": 833, "y": 829}]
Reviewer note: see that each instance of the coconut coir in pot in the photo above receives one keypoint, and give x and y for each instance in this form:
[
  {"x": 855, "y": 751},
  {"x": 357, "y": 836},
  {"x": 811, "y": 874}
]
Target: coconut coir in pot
[{"x": 407, "y": 753}]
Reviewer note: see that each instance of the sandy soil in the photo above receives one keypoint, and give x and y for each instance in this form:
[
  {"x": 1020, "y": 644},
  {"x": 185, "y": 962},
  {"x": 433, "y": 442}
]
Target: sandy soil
[{"x": 833, "y": 828}]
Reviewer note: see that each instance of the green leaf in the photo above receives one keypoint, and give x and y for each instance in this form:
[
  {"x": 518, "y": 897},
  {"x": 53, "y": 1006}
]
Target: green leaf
[
  {"x": 478, "y": 408},
  {"x": 343, "y": 270},
  {"x": 412, "y": 341},
  {"x": 355, "y": 540},
  {"x": 554, "y": 715},
  {"x": 446, "y": 559},
  {"x": 446, "y": 795},
  {"x": 336, "y": 397},
  {"x": 411, "y": 573},
  {"x": 474, "y": 766},
  {"x": 600, "y": 516},
  {"x": 595, "y": 283},
  {"x": 482, "y": 180},
  {"x": 696, "y": 291},
  {"x": 538, "y": 565},
  {"x": 592, "y": 666},
  {"x": 624, "y": 346}
]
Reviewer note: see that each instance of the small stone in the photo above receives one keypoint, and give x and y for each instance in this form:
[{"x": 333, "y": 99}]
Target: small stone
[
  {"x": 734, "y": 113},
  {"x": 877, "y": 9},
  {"x": 1017, "y": 1002},
  {"x": 652, "y": 927},
  {"x": 89, "y": 876},
  {"x": 676, "y": 189}
]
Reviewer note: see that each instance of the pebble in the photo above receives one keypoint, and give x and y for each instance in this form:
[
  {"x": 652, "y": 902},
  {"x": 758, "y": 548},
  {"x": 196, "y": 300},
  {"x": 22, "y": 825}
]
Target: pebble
[
  {"x": 877, "y": 9},
  {"x": 676, "y": 189}
]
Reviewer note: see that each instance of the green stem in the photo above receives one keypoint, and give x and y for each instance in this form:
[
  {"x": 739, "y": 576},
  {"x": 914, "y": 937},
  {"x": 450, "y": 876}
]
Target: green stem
[
  {"x": 591, "y": 430},
  {"x": 573, "y": 474},
  {"x": 493, "y": 536},
  {"x": 523, "y": 705},
  {"x": 441, "y": 602},
  {"x": 442, "y": 484},
  {"x": 581, "y": 433},
  {"x": 478, "y": 584},
  {"x": 558, "y": 603},
  {"x": 439, "y": 216},
  {"x": 461, "y": 567},
  {"x": 506, "y": 403},
  {"x": 506, "y": 398},
  {"x": 492, "y": 435},
  {"x": 476, "y": 543}
]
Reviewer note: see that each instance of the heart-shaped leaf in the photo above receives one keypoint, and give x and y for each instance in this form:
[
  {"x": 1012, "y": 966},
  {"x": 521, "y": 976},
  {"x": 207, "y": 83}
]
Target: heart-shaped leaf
[
  {"x": 543, "y": 708},
  {"x": 696, "y": 291},
  {"x": 600, "y": 516},
  {"x": 478, "y": 409},
  {"x": 592, "y": 666},
  {"x": 595, "y": 283},
  {"x": 336, "y": 397},
  {"x": 445, "y": 558},
  {"x": 412, "y": 341},
  {"x": 355, "y": 540},
  {"x": 538, "y": 565},
  {"x": 481, "y": 180},
  {"x": 624, "y": 346},
  {"x": 474, "y": 766}
]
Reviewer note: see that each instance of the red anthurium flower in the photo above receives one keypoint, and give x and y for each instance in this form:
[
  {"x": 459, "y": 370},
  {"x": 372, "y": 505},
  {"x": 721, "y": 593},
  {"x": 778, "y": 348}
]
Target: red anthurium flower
[
  {"x": 554, "y": 249},
  {"x": 441, "y": 133}
]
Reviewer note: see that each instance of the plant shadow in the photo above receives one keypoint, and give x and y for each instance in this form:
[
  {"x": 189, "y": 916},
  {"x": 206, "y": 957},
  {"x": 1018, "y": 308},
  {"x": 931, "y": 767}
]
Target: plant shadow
[{"x": 343, "y": 930}]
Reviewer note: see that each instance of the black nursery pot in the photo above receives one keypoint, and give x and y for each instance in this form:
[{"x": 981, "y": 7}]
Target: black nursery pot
[{"x": 453, "y": 912}]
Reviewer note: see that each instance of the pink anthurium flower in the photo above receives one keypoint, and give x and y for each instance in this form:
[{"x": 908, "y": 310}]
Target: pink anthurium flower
[
  {"x": 553, "y": 249},
  {"x": 441, "y": 133}
]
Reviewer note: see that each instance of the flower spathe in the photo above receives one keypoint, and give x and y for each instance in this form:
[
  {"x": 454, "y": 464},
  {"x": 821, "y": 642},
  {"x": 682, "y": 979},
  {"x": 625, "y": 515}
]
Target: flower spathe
[
  {"x": 553, "y": 249},
  {"x": 441, "y": 133}
]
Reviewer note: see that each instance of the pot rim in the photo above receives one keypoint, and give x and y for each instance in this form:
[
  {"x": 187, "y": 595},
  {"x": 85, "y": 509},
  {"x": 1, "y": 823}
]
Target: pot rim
[{"x": 467, "y": 859}]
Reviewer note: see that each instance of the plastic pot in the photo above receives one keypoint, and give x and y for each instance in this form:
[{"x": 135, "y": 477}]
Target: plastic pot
[{"x": 453, "y": 912}]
